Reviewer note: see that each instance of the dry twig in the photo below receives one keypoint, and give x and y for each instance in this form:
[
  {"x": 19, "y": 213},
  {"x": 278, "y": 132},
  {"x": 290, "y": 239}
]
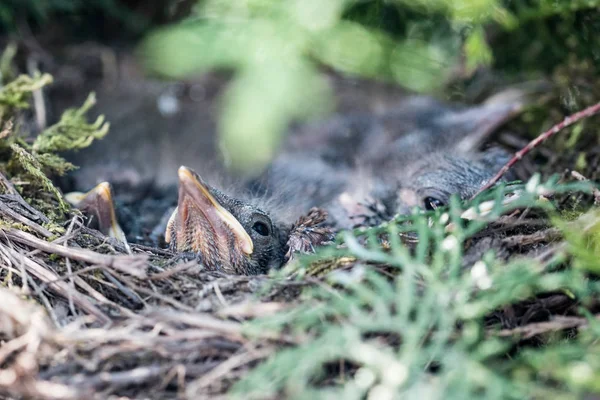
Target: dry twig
[
  {"x": 568, "y": 121},
  {"x": 557, "y": 323},
  {"x": 134, "y": 265},
  {"x": 595, "y": 191}
]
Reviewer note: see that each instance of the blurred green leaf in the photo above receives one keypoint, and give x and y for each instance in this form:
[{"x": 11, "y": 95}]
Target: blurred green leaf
[
  {"x": 583, "y": 239},
  {"x": 259, "y": 104},
  {"x": 272, "y": 48},
  {"x": 477, "y": 50},
  {"x": 419, "y": 66},
  {"x": 424, "y": 44},
  {"x": 351, "y": 48}
]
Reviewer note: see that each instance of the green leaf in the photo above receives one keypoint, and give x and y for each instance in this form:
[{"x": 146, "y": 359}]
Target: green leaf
[
  {"x": 258, "y": 106},
  {"x": 477, "y": 51}
]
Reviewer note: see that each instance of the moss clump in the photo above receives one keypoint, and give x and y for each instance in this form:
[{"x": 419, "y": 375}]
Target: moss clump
[
  {"x": 30, "y": 165},
  {"x": 16, "y": 93},
  {"x": 72, "y": 132}
]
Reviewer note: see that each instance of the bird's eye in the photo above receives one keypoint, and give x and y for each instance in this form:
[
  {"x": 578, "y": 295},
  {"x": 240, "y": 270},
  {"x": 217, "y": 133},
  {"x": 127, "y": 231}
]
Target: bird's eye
[
  {"x": 261, "y": 228},
  {"x": 432, "y": 203}
]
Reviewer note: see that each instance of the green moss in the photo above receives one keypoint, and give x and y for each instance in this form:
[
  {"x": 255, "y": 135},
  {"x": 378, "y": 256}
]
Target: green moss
[
  {"x": 35, "y": 172},
  {"x": 15, "y": 94},
  {"x": 35, "y": 164},
  {"x": 72, "y": 132},
  {"x": 14, "y": 225}
]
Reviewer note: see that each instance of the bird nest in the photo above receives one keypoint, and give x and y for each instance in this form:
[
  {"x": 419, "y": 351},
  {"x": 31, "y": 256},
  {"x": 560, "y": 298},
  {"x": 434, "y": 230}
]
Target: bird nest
[
  {"x": 111, "y": 322},
  {"x": 82, "y": 318}
]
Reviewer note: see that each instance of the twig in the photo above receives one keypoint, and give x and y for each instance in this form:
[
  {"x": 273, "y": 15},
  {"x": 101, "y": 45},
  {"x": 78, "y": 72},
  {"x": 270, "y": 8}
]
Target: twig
[
  {"x": 174, "y": 271},
  {"x": 130, "y": 294},
  {"x": 222, "y": 369},
  {"x": 110, "y": 241},
  {"x": 59, "y": 287},
  {"x": 164, "y": 298},
  {"x": 10, "y": 189},
  {"x": 26, "y": 280},
  {"x": 133, "y": 265},
  {"x": 93, "y": 293},
  {"x": 219, "y": 294},
  {"x": 99, "y": 297},
  {"x": 556, "y": 324},
  {"x": 568, "y": 121},
  {"x": 152, "y": 250},
  {"x": 69, "y": 269},
  {"x": 39, "y": 292},
  {"x": 6, "y": 210},
  {"x": 134, "y": 376},
  {"x": 546, "y": 235},
  {"x": 595, "y": 191},
  {"x": 36, "y": 389},
  {"x": 23, "y": 207},
  {"x": 39, "y": 105},
  {"x": 12, "y": 346},
  {"x": 203, "y": 321}
]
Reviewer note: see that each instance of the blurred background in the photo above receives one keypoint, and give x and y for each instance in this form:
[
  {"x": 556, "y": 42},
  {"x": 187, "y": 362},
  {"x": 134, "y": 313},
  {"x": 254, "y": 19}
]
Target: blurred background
[{"x": 217, "y": 84}]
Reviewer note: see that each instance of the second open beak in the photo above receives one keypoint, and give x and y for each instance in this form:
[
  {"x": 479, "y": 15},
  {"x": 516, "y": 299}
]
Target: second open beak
[{"x": 98, "y": 204}]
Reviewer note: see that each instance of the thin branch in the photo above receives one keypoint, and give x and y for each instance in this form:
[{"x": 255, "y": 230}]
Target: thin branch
[
  {"x": 10, "y": 189},
  {"x": 202, "y": 321},
  {"x": 23, "y": 207},
  {"x": 175, "y": 270},
  {"x": 135, "y": 376},
  {"x": 134, "y": 265},
  {"x": 69, "y": 269},
  {"x": 543, "y": 236},
  {"x": 225, "y": 367},
  {"x": 7, "y": 211},
  {"x": 568, "y": 121},
  {"x": 595, "y": 191},
  {"x": 59, "y": 287},
  {"x": 556, "y": 324}
]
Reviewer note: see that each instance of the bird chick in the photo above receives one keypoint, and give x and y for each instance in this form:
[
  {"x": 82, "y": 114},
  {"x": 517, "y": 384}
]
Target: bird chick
[
  {"x": 359, "y": 169},
  {"x": 98, "y": 206},
  {"x": 430, "y": 182},
  {"x": 365, "y": 168},
  {"x": 227, "y": 234}
]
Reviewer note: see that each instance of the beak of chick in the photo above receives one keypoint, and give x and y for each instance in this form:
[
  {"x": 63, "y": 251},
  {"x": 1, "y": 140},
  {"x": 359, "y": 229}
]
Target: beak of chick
[
  {"x": 201, "y": 224},
  {"x": 98, "y": 204},
  {"x": 484, "y": 209}
]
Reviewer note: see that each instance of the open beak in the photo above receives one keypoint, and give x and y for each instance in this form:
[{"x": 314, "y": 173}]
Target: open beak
[
  {"x": 201, "y": 224},
  {"x": 98, "y": 204}
]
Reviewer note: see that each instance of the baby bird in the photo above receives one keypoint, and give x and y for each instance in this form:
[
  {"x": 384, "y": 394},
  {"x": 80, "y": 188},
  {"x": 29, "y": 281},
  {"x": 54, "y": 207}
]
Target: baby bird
[
  {"x": 362, "y": 167},
  {"x": 98, "y": 205},
  {"x": 222, "y": 232},
  {"x": 228, "y": 234},
  {"x": 359, "y": 169}
]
